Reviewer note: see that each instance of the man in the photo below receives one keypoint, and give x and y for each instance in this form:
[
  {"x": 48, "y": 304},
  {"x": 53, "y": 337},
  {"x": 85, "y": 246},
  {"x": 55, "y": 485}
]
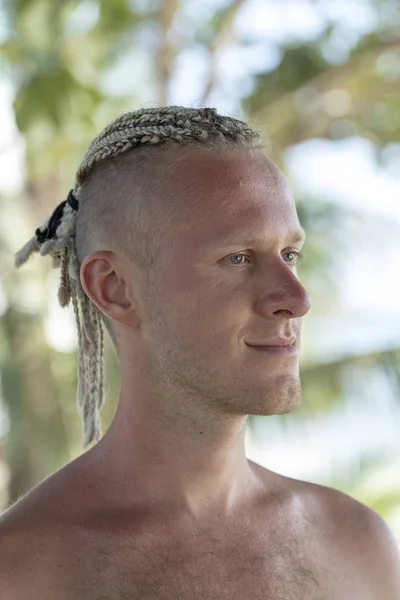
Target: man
[{"x": 182, "y": 237}]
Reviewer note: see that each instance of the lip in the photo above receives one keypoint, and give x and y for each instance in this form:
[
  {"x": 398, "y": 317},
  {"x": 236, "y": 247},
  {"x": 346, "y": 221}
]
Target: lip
[
  {"x": 285, "y": 347},
  {"x": 274, "y": 342}
]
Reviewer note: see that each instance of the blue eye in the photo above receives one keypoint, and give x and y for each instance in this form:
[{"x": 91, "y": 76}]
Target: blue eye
[
  {"x": 237, "y": 256},
  {"x": 295, "y": 256},
  {"x": 241, "y": 259}
]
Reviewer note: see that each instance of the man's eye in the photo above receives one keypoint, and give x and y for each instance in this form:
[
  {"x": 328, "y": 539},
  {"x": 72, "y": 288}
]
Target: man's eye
[
  {"x": 235, "y": 259},
  {"x": 294, "y": 256},
  {"x": 241, "y": 259}
]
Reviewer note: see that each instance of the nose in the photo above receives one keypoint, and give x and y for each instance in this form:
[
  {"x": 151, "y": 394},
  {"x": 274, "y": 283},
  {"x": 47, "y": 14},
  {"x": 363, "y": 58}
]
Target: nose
[{"x": 283, "y": 295}]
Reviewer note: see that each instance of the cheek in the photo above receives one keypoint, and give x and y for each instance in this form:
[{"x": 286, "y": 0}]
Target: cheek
[
  {"x": 181, "y": 289},
  {"x": 196, "y": 299},
  {"x": 212, "y": 316},
  {"x": 191, "y": 294}
]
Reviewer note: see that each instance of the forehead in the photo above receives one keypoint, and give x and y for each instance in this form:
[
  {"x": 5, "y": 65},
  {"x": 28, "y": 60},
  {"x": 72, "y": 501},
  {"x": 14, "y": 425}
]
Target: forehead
[{"x": 220, "y": 194}]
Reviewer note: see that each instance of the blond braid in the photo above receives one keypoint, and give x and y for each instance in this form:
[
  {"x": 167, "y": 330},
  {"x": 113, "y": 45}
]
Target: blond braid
[
  {"x": 57, "y": 237},
  {"x": 101, "y": 397}
]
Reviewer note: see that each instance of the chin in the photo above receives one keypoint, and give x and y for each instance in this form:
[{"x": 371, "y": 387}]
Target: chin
[
  {"x": 269, "y": 411},
  {"x": 283, "y": 396}
]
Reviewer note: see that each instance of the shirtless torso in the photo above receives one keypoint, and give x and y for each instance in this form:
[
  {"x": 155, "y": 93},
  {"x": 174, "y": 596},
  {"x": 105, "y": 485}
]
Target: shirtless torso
[{"x": 69, "y": 539}]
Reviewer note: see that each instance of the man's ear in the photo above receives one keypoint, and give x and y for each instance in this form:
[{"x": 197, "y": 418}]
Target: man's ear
[{"x": 105, "y": 280}]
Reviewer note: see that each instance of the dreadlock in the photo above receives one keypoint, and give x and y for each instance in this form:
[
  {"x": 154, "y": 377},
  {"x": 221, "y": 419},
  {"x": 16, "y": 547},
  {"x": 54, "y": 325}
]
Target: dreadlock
[{"x": 57, "y": 236}]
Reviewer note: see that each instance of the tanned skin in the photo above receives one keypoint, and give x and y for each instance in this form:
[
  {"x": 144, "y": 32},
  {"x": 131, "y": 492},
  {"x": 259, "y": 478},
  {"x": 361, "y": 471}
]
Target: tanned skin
[{"x": 167, "y": 505}]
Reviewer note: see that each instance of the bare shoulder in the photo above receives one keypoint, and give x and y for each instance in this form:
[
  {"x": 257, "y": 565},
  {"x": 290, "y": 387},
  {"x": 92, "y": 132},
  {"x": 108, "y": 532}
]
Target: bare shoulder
[
  {"x": 346, "y": 537},
  {"x": 358, "y": 534},
  {"x": 370, "y": 542},
  {"x": 32, "y": 534},
  {"x": 20, "y": 553}
]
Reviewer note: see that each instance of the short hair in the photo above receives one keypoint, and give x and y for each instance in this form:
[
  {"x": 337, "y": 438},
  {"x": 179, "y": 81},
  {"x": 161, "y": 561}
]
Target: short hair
[{"x": 68, "y": 237}]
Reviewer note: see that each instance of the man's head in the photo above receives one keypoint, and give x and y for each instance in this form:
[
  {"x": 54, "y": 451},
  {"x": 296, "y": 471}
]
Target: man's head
[
  {"x": 188, "y": 251},
  {"x": 122, "y": 179}
]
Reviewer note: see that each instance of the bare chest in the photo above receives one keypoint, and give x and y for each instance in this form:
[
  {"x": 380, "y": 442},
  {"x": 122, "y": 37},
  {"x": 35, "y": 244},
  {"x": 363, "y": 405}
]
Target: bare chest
[
  {"x": 280, "y": 566},
  {"x": 231, "y": 574}
]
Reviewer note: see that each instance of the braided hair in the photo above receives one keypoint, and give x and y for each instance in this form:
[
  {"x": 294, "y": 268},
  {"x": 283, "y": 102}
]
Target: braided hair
[{"x": 57, "y": 236}]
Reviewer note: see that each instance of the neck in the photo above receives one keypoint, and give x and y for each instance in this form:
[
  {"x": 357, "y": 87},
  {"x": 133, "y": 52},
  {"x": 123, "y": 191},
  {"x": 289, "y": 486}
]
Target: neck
[{"x": 176, "y": 451}]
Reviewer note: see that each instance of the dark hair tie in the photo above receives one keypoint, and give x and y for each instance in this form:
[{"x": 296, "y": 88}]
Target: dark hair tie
[
  {"x": 55, "y": 219},
  {"x": 72, "y": 201}
]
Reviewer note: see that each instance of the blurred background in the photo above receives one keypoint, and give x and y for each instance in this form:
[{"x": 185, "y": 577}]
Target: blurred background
[{"x": 320, "y": 81}]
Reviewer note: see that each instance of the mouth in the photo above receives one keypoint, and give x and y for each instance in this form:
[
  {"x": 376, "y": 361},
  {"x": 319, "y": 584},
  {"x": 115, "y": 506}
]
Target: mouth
[{"x": 282, "y": 348}]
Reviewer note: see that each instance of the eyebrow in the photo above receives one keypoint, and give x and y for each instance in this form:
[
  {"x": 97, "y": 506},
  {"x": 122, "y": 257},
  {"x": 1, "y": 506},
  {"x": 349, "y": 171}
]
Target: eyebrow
[{"x": 295, "y": 237}]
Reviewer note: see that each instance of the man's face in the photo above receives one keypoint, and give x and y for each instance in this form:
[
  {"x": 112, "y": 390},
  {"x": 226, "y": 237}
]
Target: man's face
[{"x": 226, "y": 281}]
